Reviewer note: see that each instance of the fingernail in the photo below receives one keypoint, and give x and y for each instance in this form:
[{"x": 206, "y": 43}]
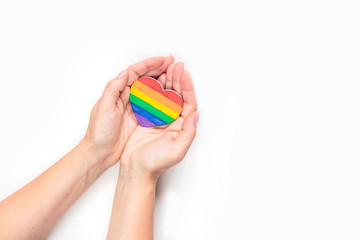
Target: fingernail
[
  {"x": 121, "y": 74},
  {"x": 196, "y": 118}
]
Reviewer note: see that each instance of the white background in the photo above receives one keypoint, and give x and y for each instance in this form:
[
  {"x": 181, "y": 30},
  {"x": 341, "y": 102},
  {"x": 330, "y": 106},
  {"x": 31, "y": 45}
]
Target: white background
[{"x": 277, "y": 152}]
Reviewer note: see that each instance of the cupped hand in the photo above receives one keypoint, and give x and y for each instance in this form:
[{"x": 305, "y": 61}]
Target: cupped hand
[
  {"x": 150, "y": 151},
  {"x": 108, "y": 130}
]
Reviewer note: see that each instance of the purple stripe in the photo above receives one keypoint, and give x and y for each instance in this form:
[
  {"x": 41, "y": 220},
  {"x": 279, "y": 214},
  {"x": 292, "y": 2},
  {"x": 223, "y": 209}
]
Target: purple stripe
[{"x": 143, "y": 121}]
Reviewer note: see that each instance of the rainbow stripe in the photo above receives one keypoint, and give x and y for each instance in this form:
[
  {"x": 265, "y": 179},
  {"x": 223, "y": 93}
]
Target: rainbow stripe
[{"x": 152, "y": 105}]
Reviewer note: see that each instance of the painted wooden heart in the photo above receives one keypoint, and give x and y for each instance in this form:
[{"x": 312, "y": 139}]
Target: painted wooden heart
[{"x": 152, "y": 105}]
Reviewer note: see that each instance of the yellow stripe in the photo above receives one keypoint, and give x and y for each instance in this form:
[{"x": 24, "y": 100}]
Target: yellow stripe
[
  {"x": 157, "y": 96},
  {"x": 153, "y": 102}
]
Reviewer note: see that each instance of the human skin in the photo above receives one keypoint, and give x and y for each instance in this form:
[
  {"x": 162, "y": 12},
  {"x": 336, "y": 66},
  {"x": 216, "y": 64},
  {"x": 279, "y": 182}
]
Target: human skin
[
  {"x": 148, "y": 153},
  {"x": 32, "y": 211}
]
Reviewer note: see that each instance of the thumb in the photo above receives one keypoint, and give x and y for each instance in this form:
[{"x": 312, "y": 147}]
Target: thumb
[
  {"x": 115, "y": 87},
  {"x": 188, "y": 132}
]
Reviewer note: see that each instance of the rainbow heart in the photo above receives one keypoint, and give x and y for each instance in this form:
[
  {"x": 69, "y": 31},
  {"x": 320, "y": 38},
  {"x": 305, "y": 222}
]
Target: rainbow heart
[{"x": 152, "y": 105}]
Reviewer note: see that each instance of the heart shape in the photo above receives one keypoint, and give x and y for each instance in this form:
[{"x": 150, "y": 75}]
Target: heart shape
[{"x": 152, "y": 105}]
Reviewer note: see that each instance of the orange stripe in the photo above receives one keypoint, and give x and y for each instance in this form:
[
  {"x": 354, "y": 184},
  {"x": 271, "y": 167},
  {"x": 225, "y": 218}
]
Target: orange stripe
[
  {"x": 157, "y": 96},
  {"x": 156, "y": 86}
]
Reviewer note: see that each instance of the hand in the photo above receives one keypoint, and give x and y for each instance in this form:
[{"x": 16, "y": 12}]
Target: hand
[
  {"x": 150, "y": 151},
  {"x": 107, "y": 132}
]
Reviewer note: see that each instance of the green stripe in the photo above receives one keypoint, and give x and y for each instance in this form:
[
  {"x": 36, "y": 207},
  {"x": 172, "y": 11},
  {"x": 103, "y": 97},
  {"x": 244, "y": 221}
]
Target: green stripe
[{"x": 150, "y": 109}]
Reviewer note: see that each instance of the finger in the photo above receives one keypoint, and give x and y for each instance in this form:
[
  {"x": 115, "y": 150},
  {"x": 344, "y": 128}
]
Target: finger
[
  {"x": 158, "y": 71},
  {"x": 188, "y": 133},
  {"x": 188, "y": 94},
  {"x": 178, "y": 70},
  {"x": 125, "y": 95},
  {"x": 115, "y": 87},
  {"x": 176, "y": 125},
  {"x": 169, "y": 75},
  {"x": 140, "y": 68},
  {"x": 130, "y": 115},
  {"x": 162, "y": 79}
]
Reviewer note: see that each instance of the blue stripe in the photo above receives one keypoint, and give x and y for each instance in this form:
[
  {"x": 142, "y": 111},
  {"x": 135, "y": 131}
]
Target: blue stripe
[{"x": 152, "y": 118}]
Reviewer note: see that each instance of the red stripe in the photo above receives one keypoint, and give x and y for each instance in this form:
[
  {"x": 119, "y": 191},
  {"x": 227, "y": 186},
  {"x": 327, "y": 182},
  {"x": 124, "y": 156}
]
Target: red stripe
[{"x": 155, "y": 85}]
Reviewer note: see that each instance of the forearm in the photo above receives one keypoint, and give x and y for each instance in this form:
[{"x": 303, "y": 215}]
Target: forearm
[
  {"x": 32, "y": 211},
  {"x": 133, "y": 209}
]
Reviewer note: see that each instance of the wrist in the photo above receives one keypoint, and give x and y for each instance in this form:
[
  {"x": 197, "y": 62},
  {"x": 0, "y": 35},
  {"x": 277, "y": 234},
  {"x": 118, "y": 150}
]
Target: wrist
[
  {"x": 84, "y": 163},
  {"x": 95, "y": 155},
  {"x": 134, "y": 175},
  {"x": 91, "y": 158}
]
